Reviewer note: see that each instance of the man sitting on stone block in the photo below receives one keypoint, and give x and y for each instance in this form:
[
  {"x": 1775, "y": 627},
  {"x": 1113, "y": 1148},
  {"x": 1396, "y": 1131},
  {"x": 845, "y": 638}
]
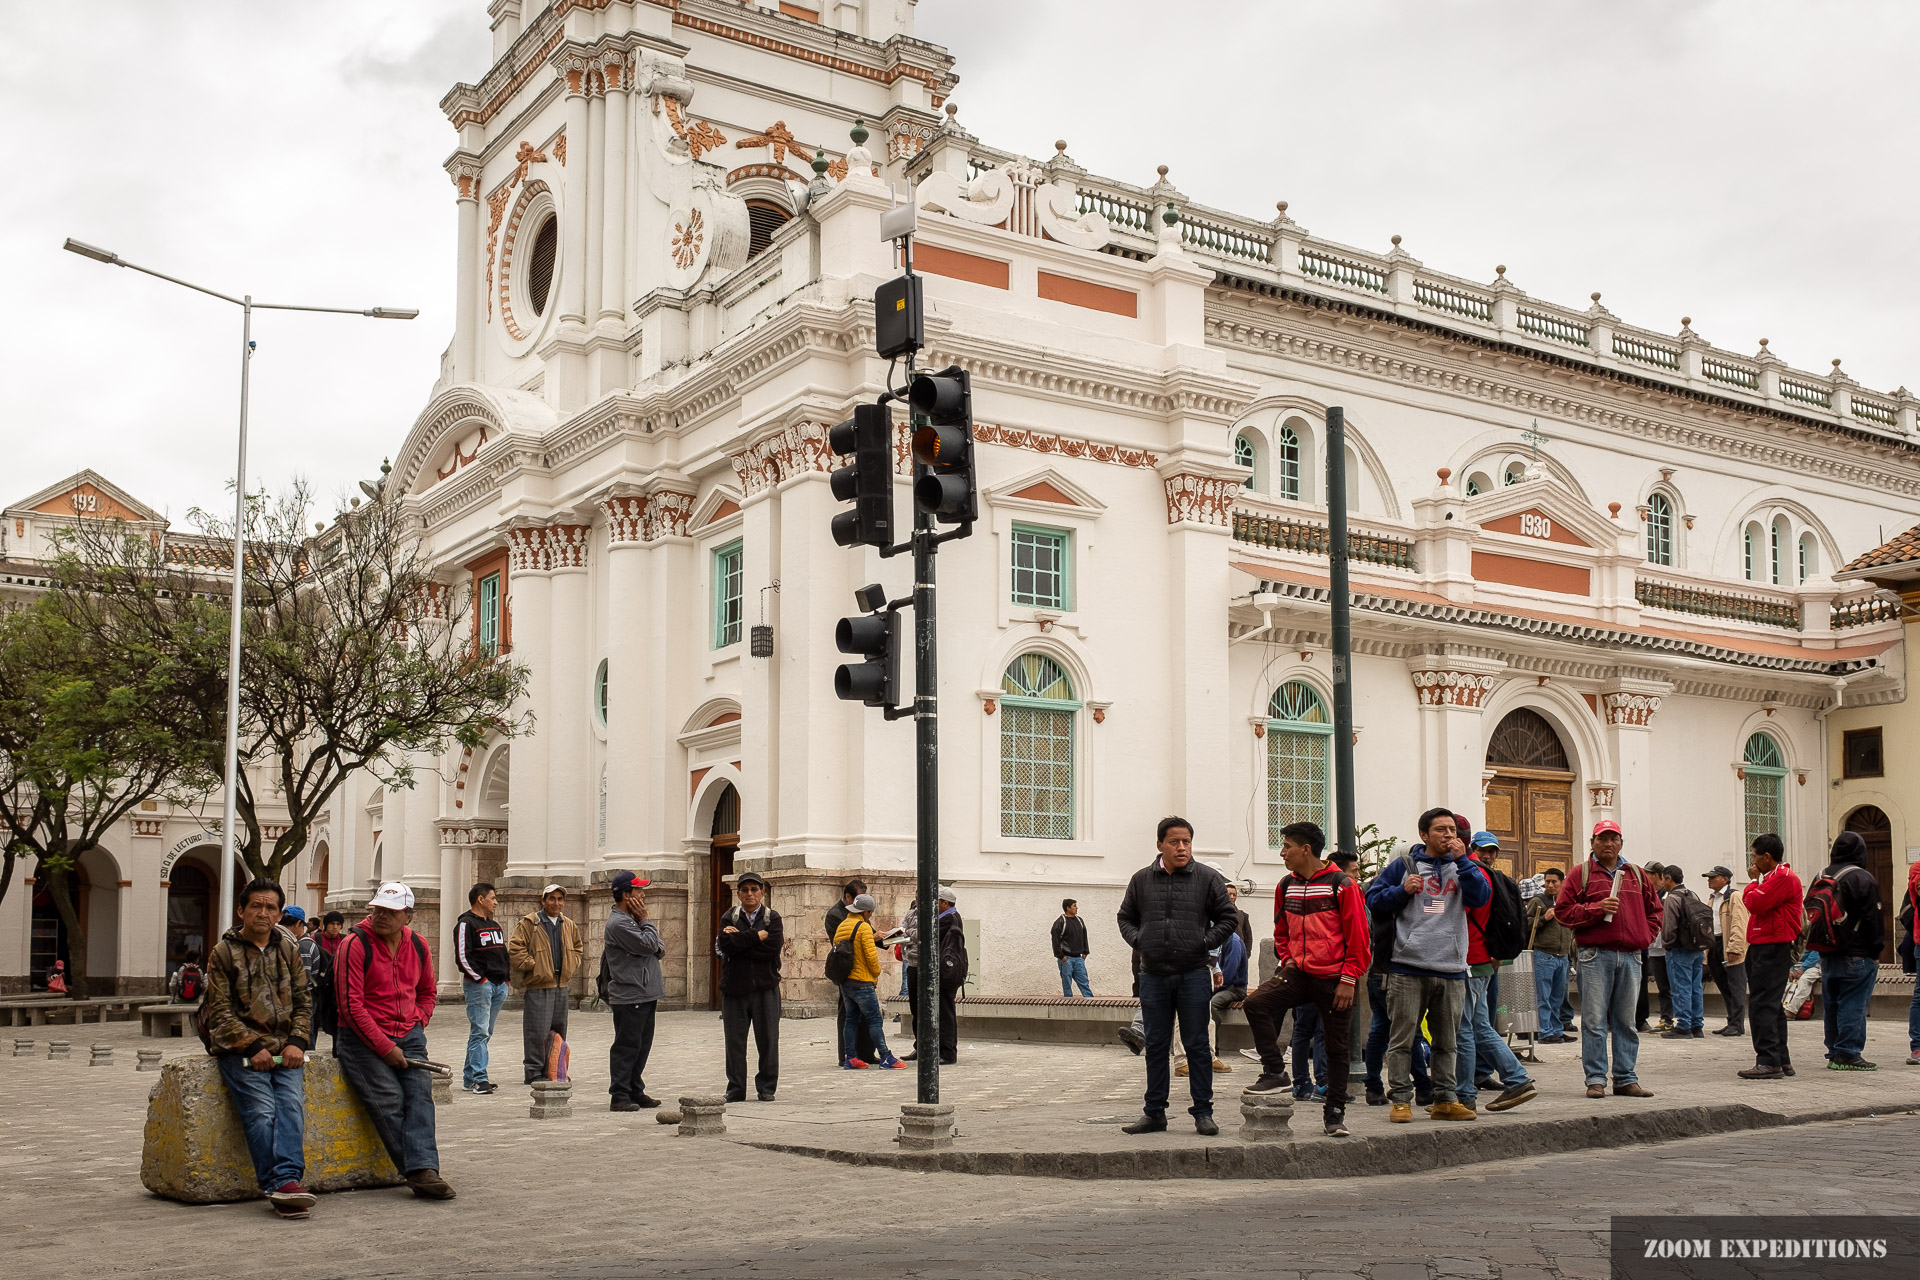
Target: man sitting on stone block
[
  {"x": 383, "y": 980},
  {"x": 260, "y": 1025}
]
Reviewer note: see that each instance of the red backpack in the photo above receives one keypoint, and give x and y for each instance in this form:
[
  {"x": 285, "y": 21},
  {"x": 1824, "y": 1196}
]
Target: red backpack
[{"x": 1825, "y": 914}]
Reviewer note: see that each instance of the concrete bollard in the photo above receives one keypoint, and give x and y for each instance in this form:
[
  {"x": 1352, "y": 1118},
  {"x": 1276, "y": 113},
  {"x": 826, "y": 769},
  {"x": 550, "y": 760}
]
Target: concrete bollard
[
  {"x": 22, "y": 1048},
  {"x": 57, "y": 1050},
  {"x": 100, "y": 1055},
  {"x": 149, "y": 1060},
  {"x": 703, "y": 1117},
  {"x": 1265, "y": 1117},
  {"x": 925, "y": 1126},
  {"x": 552, "y": 1100}
]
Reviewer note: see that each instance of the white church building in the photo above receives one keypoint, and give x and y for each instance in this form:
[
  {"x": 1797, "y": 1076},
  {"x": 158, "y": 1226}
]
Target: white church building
[{"x": 1591, "y": 563}]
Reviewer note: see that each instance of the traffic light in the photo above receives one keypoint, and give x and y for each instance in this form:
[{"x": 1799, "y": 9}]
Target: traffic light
[
  {"x": 944, "y": 445},
  {"x": 876, "y": 636},
  {"x": 867, "y": 482}
]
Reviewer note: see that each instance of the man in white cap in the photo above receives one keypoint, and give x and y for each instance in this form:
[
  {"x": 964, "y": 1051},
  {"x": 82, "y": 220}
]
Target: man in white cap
[
  {"x": 543, "y": 955},
  {"x": 384, "y": 979}
]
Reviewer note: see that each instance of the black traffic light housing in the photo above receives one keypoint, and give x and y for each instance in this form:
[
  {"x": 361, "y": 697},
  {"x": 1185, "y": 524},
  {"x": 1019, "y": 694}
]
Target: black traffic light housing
[
  {"x": 874, "y": 635},
  {"x": 867, "y": 481},
  {"x": 943, "y": 444}
]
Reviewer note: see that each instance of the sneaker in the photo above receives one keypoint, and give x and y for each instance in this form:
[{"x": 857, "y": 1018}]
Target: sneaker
[
  {"x": 1268, "y": 1084},
  {"x": 1698, "y": 1033},
  {"x": 1400, "y": 1113},
  {"x": 1913, "y": 1059},
  {"x": 1487, "y": 1084},
  {"x": 854, "y": 1064},
  {"x": 1319, "y": 1091},
  {"x": 292, "y": 1195},
  {"x": 429, "y": 1185},
  {"x": 1452, "y": 1111},
  {"x": 1219, "y": 1066},
  {"x": 1149, "y": 1122},
  {"x": 1251, "y": 1055},
  {"x": 483, "y": 1087},
  {"x": 892, "y": 1063},
  {"x": 1804, "y": 1012},
  {"x": 1132, "y": 1039},
  {"x": 1525, "y": 1091},
  {"x": 1676, "y": 1034},
  {"x": 1336, "y": 1122},
  {"x": 1852, "y": 1064},
  {"x": 1376, "y": 1098},
  {"x": 622, "y": 1104}
]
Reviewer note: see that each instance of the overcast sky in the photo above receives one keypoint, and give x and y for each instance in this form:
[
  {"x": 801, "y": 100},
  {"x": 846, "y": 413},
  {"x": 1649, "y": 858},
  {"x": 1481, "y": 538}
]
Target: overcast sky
[{"x": 1749, "y": 163}]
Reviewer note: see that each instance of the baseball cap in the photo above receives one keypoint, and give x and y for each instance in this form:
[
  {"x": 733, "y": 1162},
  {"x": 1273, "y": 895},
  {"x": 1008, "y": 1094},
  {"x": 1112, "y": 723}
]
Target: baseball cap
[
  {"x": 1486, "y": 840},
  {"x": 1607, "y": 824},
  {"x": 625, "y": 880},
  {"x": 750, "y": 877},
  {"x": 864, "y": 902},
  {"x": 392, "y": 894},
  {"x": 1719, "y": 871},
  {"x": 947, "y": 894},
  {"x": 294, "y": 913},
  {"x": 553, "y": 888}
]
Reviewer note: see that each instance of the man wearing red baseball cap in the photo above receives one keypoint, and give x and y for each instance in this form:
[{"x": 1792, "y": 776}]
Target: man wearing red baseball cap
[
  {"x": 634, "y": 989},
  {"x": 1614, "y": 912}
]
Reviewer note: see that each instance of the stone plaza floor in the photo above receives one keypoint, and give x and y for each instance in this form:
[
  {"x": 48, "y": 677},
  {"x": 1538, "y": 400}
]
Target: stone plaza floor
[{"x": 597, "y": 1192}]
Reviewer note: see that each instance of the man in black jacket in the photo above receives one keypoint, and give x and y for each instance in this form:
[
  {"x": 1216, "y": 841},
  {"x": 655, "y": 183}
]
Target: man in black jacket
[
  {"x": 1850, "y": 965},
  {"x": 480, "y": 948},
  {"x": 1175, "y": 911},
  {"x": 836, "y": 916},
  {"x": 749, "y": 949},
  {"x": 1070, "y": 949},
  {"x": 952, "y": 937}
]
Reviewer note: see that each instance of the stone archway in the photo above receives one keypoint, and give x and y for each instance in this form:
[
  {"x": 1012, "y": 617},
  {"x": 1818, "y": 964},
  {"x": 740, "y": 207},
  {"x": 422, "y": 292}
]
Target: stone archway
[
  {"x": 1872, "y": 825},
  {"x": 1530, "y": 799},
  {"x": 723, "y": 843}
]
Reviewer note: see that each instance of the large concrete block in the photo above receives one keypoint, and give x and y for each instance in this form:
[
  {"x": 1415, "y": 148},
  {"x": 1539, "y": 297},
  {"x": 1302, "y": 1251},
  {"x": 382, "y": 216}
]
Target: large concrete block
[{"x": 196, "y": 1152}]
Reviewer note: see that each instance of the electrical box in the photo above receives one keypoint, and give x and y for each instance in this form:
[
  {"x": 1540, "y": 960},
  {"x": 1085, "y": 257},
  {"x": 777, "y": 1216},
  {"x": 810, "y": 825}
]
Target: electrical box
[{"x": 899, "y": 317}]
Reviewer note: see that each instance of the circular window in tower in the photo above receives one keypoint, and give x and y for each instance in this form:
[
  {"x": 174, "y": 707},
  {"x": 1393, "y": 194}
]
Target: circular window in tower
[
  {"x": 528, "y": 280},
  {"x": 546, "y": 245}
]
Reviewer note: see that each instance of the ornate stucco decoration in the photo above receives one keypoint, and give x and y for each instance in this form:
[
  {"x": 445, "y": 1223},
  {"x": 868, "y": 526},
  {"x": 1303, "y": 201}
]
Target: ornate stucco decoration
[
  {"x": 1019, "y": 197},
  {"x": 1636, "y": 709},
  {"x": 1452, "y": 688},
  {"x": 788, "y": 452},
  {"x": 1200, "y": 499}
]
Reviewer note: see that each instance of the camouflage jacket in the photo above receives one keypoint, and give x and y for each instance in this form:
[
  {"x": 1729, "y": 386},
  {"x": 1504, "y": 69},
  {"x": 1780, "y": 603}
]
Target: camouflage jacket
[{"x": 259, "y": 998}]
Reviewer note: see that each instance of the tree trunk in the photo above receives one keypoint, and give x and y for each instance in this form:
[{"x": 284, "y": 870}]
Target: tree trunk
[
  {"x": 60, "y": 888},
  {"x": 6, "y": 872}
]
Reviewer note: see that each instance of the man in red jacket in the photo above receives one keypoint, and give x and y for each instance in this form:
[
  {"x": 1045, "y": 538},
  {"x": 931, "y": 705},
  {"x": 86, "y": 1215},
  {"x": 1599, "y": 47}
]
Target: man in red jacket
[
  {"x": 1775, "y": 913},
  {"x": 1614, "y": 912},
  {"x": 1321, "y": 935},
  {"x": 383, "y": 979}
]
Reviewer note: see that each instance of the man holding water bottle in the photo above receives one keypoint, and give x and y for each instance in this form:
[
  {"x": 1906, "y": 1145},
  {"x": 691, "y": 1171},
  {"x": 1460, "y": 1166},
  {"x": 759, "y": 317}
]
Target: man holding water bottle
[{"x": 1614, "y": 912}]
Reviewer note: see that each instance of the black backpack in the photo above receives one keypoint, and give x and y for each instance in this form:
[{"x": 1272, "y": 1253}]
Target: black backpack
[
  {"x": 840, "y": 959},
  {"x": 1695, "y": 930},
  {"x": 1505, "y": 933},
  {"x": 328, "y": 1020}
]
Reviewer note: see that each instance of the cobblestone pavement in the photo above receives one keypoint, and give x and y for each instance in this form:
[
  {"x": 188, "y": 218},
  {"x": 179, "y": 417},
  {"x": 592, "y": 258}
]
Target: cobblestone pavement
[{"x": 614, "y": 1194}]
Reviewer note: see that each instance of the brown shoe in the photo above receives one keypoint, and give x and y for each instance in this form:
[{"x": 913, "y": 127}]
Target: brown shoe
[
  {"x": 1400, "y": 1113},
  {"x": 1762, "y": 1073},
  {"x": 1220, "y": 1066},
  {"x": 429, "y": 1185},
  {"x": 1452, "y": 1111},
  {"x": 1631, "y": 1091},
  {"x": 1596, "y": 1091},
  {"x": 1181, "y": 1069}
]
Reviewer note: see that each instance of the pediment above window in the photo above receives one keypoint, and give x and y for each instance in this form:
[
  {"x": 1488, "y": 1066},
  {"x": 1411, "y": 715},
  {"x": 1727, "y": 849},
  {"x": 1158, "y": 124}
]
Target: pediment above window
[{"x": 1044, "y": 490}]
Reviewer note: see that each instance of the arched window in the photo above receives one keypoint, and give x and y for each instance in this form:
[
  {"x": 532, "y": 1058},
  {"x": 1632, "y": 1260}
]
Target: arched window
[
  {"x": 1778, "y": 537},
  {"x": 1036, "y": 749},
  {"x": 1809, "y": 556},
  {"x": 1478, "y": 483},
  {"x": 1765, "y": 786},
  {"x": 1244, "y": 456},
  {"x": 600, "y": 692},
  {"x": 1289, "y": 480},
  {"x": 1749, "y": 553},
  {"x": 1659, "y": 530},
  {"x": 1516, "y": 472},
  {"x": 1299, "y": 758}
]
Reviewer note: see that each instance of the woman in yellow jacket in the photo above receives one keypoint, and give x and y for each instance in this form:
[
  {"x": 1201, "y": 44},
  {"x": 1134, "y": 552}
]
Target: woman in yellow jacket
[{"x": 863, "y": 999}]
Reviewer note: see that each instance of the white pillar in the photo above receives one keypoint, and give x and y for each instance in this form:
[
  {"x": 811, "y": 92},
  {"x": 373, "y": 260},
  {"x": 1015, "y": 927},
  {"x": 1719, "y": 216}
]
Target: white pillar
[
  {"x": 669, "y": 690},
  {"x": 629, "y": 659},
  {"x": 573, "y": 225},
  {"x": 1453, "y": 750},
  {"x": 465, "y": 170},
  {"x": 529, "y": 604},
  {"x": 587, "y": 153},
  {"x": 570, "y": 803},
  {"x": 1199, "y": 508},
  {"x": 613, "y": 253},
  {"x": 1629, "y": 712}
]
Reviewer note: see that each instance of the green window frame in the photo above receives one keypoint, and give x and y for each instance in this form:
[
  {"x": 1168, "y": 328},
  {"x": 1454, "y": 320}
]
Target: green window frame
[
  {"x": 1764, "y": 788},
  {"x": 490, "y": 615},
  {"x": 1299, "y": 759},
  {"x": 1042, "y": 567},
  {"x": 1245, "y": 456},
  {"x": 729, "y": 587},
  {"x": 1037, "y": 715},
  {"x": 1659, "y": 530},
  {"x": 1287, "y": 484},
  {"x": 600, "y": 693}
]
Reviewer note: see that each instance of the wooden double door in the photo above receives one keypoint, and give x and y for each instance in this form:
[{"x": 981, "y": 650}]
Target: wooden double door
[{"x": 1531, "y": 810}]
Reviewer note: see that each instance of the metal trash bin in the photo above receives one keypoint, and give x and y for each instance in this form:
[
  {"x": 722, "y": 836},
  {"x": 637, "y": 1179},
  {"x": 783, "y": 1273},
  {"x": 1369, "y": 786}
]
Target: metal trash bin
[{"x": 1518, "y": 1012}]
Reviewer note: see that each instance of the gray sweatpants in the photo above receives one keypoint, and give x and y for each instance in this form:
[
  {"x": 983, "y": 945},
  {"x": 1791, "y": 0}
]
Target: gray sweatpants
[
  {"x": 545, "y": 1012},
  {"x": 1440, "y": 1001}
]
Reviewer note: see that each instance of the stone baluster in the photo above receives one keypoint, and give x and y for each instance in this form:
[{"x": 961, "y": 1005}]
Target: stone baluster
[
  {"x": 149, "y": 1060},
  {"x": 704, "y": 1116},
  {"x": 22, "y": 1048},
  {"x": 925, "y": 1126},
  {"x": 57, "y": 1050},
  {"x": 552, "y": 1100},
  {"x": 1266, "y": 1117},
  {"x": 100, "y": 1055}
]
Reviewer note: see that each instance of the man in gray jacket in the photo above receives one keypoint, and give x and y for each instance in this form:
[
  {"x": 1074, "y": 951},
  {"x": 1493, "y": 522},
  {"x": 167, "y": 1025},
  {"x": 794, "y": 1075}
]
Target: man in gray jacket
[{"x": 633, "y": 990}]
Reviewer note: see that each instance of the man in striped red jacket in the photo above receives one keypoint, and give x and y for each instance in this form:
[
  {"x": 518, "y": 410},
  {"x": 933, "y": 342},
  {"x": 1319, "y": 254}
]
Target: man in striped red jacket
[{"x": 1321, "y": 936}]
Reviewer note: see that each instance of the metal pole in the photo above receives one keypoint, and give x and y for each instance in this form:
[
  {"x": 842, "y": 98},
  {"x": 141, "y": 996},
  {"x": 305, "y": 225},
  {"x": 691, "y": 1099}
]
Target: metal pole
[
  {"x": 926, "y": 728},
  {"x": 1345, "y": 836},
  {"x": 231, "y": 805}
]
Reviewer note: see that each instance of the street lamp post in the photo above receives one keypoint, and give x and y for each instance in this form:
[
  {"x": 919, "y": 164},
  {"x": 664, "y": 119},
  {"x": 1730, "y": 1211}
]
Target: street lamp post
[{"x": 230, "y": 803}]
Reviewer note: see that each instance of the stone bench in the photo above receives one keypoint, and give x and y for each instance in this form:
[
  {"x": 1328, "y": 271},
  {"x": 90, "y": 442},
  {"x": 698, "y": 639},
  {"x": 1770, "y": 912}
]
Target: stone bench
[
  {"x": 39, "y": 1011},
  {"x": 166, "y": 1020},
  {"x": 195, "y": 1151}
]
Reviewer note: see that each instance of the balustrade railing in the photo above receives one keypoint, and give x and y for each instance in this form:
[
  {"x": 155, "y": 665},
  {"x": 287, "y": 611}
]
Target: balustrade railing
[
  {"x": 1881, "y": 415},
  {"x": 1724, "y": 371},
  {"x": 1315, "y": 540},
  {"x": 1542, "y": 325},
  {"x": 1861, "y": 613},
  {"x": 1632, "y": 347},
  {"x": 1124, "y": 212},
  {"x": 1209, "y": 236},
  {"x": 1452, "y": 299},
  {"x": 1341, "y": 270},
  {"x": 1706, "y": 603}
]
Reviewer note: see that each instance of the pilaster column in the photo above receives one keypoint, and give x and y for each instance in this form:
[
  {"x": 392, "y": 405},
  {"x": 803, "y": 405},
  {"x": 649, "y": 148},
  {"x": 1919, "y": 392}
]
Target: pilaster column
[
  {"x": 530, "y": 600},
  {"x": 1199, "y": 518},
  {"x": 570, "y": 792},
  {"x": 666, "y": 691},
  {"x": 464, "y": 169},
  {"x": 592, "y": 149},
  {"x": 1628, "y": 707},
  {"x": 573, "y": 226},
  {"x": 614, "y": 295},
  {"x": 1452, "y": 690}
]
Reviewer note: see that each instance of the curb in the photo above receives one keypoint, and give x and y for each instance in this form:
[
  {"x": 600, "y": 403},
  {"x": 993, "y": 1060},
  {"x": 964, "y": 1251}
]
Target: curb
[{"x": 1417, "y": 1151}]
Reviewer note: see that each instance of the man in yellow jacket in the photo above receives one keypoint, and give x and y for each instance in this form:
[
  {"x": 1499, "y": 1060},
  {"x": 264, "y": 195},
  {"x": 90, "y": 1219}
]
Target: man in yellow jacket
[
  {"x": 543, "y": 955},
  {"x": 862, "y": 995}
]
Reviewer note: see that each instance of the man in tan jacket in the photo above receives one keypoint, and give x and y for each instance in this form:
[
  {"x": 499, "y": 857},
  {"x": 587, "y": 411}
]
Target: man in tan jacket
[
  {"x": 1727, "y": 957},
  {"x": 542, "y": 956}
]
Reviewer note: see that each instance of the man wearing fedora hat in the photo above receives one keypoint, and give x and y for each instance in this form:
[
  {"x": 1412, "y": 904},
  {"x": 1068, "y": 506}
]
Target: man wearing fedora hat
[
  {"x": 543, "y": 955},
  {"x": 748, "y": 945}
]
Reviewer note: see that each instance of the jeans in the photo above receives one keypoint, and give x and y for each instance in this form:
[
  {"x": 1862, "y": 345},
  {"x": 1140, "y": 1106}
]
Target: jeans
[
  {"x": 1656, "y": 974},
  {"x": 1309, "y": 1046},
  {"x": 1375, "y": 1050},
  {"x": 273, "y": 1115},
  {"x": 543, "y": 1013},
  {"x": 1849, "y": 982},
  {"x": 1292, "y": 989},
  {"x": 1165, "y": 997},
  {"x": 1731, "y": 979},
  {"x": 1913, "y": 1021},
  {"x": 863, "y": 1009},
  {"x": 1609, "y": 988},
  {"x": 849, "y": 1016},
  {"x": 399, "y": 1101},
  {"x": 627, "y": 1058},
  {"x": 1550, "y": 992},
  {"x": 1439, "y": 1001},
  {"x": 1687, "y": 971},
  {"x": 1767, "y": 965},
  {"x": 761, "y": 1011},
  {"x": 483, "y": 1010},
  {"x": 1074, "y": 969},
  {"x": 1479, "y": 1044}
]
